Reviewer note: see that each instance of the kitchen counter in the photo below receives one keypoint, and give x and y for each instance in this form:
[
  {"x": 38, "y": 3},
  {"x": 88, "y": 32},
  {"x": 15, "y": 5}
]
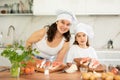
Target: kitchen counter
[{"x": 40, "y": 76}]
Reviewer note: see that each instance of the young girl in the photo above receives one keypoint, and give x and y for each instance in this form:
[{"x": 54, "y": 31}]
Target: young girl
[{"x": 81, "y": 47}]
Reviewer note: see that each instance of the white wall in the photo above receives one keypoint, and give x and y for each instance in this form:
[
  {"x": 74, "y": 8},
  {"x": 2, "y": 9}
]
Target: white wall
[{"x": 105, "y": 27}]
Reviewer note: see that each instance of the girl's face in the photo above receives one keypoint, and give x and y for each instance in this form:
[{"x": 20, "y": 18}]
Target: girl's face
[
  {"x": 63, "y": 26},
  {"x": 81, "y": 38}
]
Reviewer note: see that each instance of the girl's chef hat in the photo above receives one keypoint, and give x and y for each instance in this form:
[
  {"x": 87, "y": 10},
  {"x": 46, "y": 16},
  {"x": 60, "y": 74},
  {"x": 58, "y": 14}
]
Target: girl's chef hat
[
  {"x": 81, "y": 27},
  {"x": 61, "y": 14}
]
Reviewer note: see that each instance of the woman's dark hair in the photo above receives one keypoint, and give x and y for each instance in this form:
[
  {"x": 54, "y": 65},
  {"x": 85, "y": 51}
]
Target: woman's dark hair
[
  {"x": 52, "y": 31},
  {"x": 76, "y": 43}
]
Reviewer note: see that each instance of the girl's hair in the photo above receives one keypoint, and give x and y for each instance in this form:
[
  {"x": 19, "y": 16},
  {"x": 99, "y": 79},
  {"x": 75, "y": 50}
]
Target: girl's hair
[
  {"x": 52, "y": 31},
  {"x": 76, "y": 43}
]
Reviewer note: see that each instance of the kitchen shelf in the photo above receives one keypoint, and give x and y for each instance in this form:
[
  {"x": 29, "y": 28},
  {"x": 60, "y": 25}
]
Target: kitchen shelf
[
  {"x": 16, "y": 7},
  {"x": 23, "y": 14}
]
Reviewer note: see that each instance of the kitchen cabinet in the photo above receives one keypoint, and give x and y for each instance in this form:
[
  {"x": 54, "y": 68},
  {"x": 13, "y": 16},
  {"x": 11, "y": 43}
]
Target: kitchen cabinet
[
  {"x": 79, "y": 7},
  {"x": 109, "y": 56},
  {"x": 46, "y": 7},
  {"x": 16, "y": 7},
  {"x": 102, "y": 7}
]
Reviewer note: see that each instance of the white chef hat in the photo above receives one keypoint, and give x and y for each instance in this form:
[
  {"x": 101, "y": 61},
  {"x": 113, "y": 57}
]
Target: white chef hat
[
  {"x": 88, "y": 30},
  {"x": 62, "y": 14}
]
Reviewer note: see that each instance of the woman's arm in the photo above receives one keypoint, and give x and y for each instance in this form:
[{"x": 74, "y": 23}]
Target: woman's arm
[
  {"x": 35, "y": 37},
  {"x": 71, "y": 55},
  {"x": 62, "y": 52}
]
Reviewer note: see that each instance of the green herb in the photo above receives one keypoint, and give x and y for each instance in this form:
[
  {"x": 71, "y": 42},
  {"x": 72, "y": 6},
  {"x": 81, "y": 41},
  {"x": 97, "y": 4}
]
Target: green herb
[{"x": 18, "y": 54}]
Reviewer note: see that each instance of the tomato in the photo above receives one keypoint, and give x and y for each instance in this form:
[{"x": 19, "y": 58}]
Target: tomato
[
  {"x": 27, "y": 70},
  {"x": 32, "y": 69}
]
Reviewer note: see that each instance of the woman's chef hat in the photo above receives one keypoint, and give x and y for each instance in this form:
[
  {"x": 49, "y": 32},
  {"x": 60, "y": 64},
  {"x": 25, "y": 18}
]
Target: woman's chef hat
[
  {"x": 81, "y": 27},
  {"x": 61, "y": 14}
]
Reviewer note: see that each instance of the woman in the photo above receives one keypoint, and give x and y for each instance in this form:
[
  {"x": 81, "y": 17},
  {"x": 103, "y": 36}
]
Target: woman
[
  {"x": 54, "y": 40},
  {"x": 81, "y": 47}
]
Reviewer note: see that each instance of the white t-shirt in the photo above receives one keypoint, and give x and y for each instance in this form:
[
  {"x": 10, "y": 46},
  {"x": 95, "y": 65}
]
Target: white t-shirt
[
  {"x": 76, "y": 52},
  {"x": 45, "y": 50}
]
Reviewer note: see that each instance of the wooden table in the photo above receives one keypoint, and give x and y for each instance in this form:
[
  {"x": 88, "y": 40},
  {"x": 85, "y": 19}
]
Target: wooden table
[{"x": 40, "y": 76}]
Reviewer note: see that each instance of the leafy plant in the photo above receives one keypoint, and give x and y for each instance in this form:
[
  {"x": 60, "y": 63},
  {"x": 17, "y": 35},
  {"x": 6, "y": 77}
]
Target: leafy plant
[{"x": 18, "y": 54}]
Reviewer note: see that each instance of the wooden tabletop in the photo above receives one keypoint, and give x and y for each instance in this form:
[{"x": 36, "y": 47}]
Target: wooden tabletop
[{"x": 5, "y": 75}]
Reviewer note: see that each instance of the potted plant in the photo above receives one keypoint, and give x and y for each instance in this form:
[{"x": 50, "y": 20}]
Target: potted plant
[{"x": 17, "y": 55}]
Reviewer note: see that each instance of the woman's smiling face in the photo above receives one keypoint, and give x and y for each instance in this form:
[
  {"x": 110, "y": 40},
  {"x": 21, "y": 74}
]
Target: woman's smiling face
[{"x": 63, "y": 26}]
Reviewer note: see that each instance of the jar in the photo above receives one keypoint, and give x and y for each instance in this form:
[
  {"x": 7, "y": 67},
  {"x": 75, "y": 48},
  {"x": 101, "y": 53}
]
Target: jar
[{"x": 3, "y": 9}]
